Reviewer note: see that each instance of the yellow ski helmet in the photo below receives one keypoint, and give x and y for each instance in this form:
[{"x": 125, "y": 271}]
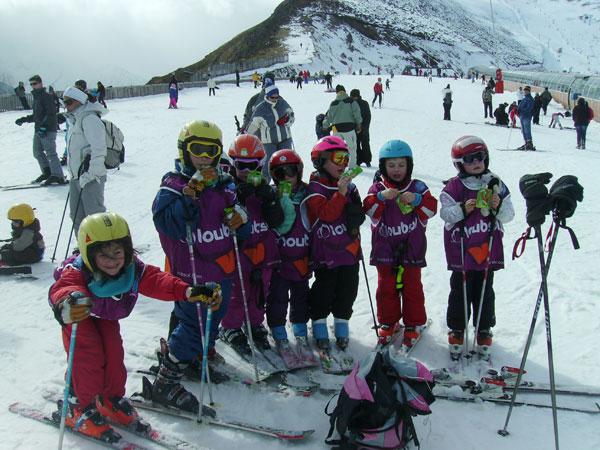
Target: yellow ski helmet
[
  {"x": 201, "y": 138},
  {"x": 100, "y": 228},
  {"x": 22, "y": 212}
]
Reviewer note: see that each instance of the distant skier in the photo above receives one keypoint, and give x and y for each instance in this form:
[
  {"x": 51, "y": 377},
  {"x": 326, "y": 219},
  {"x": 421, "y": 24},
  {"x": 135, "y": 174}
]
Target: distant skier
[
  {"x": 555, "y": 120},
  {"x": 328, "y": 78},
  {"x": 537, "y": 106},
  {"x": 173, "y": 93},
  {"x": 20, "y": 93},
  {"x": 582, "y": 116},
  {"x": 486, "y": 96},
  {"x": 513, "y": 114},
  {"x": 378, "y": 92},
  {"x": 211, "y": 84},
  {"x": 525, "y": 109},
  {"x": 101, "y": 94},
  {"x": 363, "y": 144},
  {"x": 447, "y": 101},
  {"x": 546, "y": 99}
]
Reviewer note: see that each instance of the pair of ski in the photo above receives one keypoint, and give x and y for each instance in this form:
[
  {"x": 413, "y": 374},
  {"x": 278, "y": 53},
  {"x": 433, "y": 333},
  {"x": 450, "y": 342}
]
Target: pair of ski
[
  {"x": 403, "y": 348},
  {"x": 490, "y": 389},
  {"x": 143, "y": 401},
  {"x": 19, "y": 187},
  {"x": 23, "y": 271}
]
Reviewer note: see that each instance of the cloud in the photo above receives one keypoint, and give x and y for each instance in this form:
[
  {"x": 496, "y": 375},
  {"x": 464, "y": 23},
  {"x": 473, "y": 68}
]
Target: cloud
[{"x": 67, "y": 38}]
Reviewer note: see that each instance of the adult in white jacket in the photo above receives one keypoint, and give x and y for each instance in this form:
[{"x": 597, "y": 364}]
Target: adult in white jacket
[
  {"x": 212, "y": 85},
  {"x": 86, "y": 152},
  {"x": 271, "y": 122}
]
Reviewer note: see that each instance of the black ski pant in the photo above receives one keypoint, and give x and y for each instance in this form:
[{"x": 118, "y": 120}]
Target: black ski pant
[
  {"x": 487, "y": 109},
  {"x": 24, "y": 103},
  {"x": 455, "y": 315},
  {"x": 333, "y": 291},
  {"x": 378, "y": 95},
  {"x": 212, "y": 91},
  {"x": 447, "y": 107},
  {"x": 363, "y": 147}
]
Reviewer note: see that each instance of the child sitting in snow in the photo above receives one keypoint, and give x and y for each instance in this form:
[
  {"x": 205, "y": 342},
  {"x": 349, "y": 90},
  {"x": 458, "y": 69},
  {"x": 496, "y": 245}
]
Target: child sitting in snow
[{"x": 26, "y": 244}]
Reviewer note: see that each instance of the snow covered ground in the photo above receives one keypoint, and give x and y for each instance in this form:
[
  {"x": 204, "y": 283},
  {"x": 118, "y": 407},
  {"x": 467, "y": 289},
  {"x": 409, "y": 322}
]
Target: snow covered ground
[{"x": 31, "y": 351}]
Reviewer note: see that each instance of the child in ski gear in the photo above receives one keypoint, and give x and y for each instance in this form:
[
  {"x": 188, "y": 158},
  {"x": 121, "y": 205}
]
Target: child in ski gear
[
  {"x": 258, "y": 253},
  {"x": 333, "y": 213},
  {"x": 399, "y": 208},
  {"x": 377, "y": 92},
  {"x": 26, "y": 245},
  {"x": 475, "y": 205},
  {"x": 192, "y": 200},
  {"x": 289, "y": 283},
  {"x": 96, "y": 289},
  {"x": 513, "y": 113},
  {"x": 555, "y": 120},
  {"x": 173, "y": 93},
  {"x": 501, "y": 115}
]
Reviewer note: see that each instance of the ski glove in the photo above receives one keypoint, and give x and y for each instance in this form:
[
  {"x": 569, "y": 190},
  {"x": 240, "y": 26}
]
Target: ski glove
[
  {"x": 208, "y": 293},
  {"x": 565, "y": 193},
  {"x": 19, "y": 121},
  {"x": 537, "y": 200},
  {"x": 76, "y": 307},
  {"x": 283, "y": 120},
  {"x": 236, "y": 217},
  {"x": 355, "y": 216},
  {"x": 243, "y": 191}
]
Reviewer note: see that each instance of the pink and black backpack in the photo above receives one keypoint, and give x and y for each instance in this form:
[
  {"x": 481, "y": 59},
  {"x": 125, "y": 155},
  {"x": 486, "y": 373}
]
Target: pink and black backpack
[{"x": 378, "y": 401}]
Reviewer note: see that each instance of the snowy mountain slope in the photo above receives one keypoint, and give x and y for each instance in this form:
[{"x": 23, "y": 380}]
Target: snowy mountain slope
[
  {"x": 31, "y": 352},
  {"x": 349, "y": 35}
]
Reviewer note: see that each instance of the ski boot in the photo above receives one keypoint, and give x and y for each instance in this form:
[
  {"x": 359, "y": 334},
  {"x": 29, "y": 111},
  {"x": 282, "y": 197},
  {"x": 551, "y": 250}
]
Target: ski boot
[
  {"x": 194, "y": 370},
  {"x": 529, "y": 146},
  {"x": 87, "y": 421},
  {"x": 484, "y": 344},
  {"x": 342, "y": 343},
  {"x": 323, "y": 344},
  {"x": 260, "y": 335},
  {"x": 43, "y": 177},
  {"x": 167, "y": 389},
  {"x": 455, "y": 343},
  {"x": 387, "y": 332},
  {"x": 53, "y": 179},
  {"x": 236, "y": 338},
  {"x": 304, "y": 350},
  {"x": 119, "y": 410},
  {"x": 522, "y": 147},
  {"x": 411, "y": 336},
  {"x": 342, "y": 333}
]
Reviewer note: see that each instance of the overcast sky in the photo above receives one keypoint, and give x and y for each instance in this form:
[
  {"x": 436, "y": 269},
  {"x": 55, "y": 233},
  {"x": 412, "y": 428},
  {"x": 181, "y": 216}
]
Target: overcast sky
[{"x": 66, "y": 39}]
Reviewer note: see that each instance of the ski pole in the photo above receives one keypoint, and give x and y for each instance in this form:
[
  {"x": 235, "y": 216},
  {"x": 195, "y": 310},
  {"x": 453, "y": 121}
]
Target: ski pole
[
  {"x": 483, "y": 287},
  {"x": 464, "y": 290},
  {"x": 203, "y": 342},
  {"x": 375, "y": 326},
  {"x": 62, "y": 219},
  {"x": 504, "y": 431},
  {"x": 65, "y": 405},
  {"x": 245, "y": 301},
  {"x": 73, "y": 225}
]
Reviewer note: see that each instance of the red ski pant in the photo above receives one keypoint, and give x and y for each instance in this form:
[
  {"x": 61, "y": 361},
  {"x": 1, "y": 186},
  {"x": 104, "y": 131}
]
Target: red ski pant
[
  {"x": 393, "y": 305},
  {"x": 98, "y": 366}
]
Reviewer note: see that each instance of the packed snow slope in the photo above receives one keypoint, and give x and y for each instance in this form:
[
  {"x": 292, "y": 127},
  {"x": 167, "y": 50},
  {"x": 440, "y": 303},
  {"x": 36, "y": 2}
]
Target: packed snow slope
[{"x": 33, "y": 358}]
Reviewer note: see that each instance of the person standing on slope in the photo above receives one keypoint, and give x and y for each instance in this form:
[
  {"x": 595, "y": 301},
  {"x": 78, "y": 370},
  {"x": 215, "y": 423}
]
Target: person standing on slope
[
  {"x": 345, "y": 120},
  {"x": 268, "y": 80},
  {"x": 333, "y": 213},
  {"x": 525, "y": 110},
  {"x": 470, "y": 225},
  {"x": 399, "y": 208},
  {"x": 447, "y": 102},
  {"x": 44, "y": 137},
  {"x": 363, "y": 145},
  {"x": 196, "y": 197},
  {"x": 271, "y": 122},
  {"x": 173, "y": 93},
  {"x": 378, "y": 92},
  {"x": 86, "y": 149}
]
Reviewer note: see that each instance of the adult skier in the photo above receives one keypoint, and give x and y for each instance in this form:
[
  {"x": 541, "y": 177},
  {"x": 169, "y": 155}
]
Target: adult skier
[{"x": 525, "y": 110}]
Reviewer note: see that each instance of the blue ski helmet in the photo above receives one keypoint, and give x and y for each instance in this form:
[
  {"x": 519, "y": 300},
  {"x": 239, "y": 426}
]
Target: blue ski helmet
[{"x": 396, "y": 149}]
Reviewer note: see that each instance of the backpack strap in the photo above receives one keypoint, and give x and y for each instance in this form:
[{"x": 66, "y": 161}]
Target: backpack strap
[{"x": 403, "y": 413}]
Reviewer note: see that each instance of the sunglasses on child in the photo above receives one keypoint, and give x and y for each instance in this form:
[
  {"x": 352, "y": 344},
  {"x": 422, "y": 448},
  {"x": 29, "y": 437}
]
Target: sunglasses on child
[
  {"x": 340, "y": 157},
  {"x": 203, "y": 150},
  {"x": 242, "y": 165},
  {"x": 471, "y": 158},
  {"x": 281, "y": 172}
]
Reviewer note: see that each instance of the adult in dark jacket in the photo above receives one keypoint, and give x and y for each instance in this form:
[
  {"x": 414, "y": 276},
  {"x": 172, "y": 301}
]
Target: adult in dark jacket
[
  {"x": 537, "y": 106},
  {"x": 501, "y": 115},
  {"x": 344, "y": 119},
  {"x": 581, "y": 119},
  {"x": 486, "y": 96},
  {"x": 328, "y": 77},
  {"x": 101, "y": 94},
  {"x": 546, "y": 99},
  {"x": 44, "y": 137},
  {"x": 447, "y": 102},
  {"x": 20, "y": 92},
  {"x": 525, "y": 109},
  {"x": 363, "y": 146}
]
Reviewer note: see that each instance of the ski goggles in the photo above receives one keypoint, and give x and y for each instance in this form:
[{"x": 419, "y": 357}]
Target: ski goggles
[
  {"x": 203, "y": 150},
  {"x": 242, "y": 165},
  {"x": 281, "y": 172},
  {"x": 340, "y": 157},
  {"x": 472, "y": 157}
]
